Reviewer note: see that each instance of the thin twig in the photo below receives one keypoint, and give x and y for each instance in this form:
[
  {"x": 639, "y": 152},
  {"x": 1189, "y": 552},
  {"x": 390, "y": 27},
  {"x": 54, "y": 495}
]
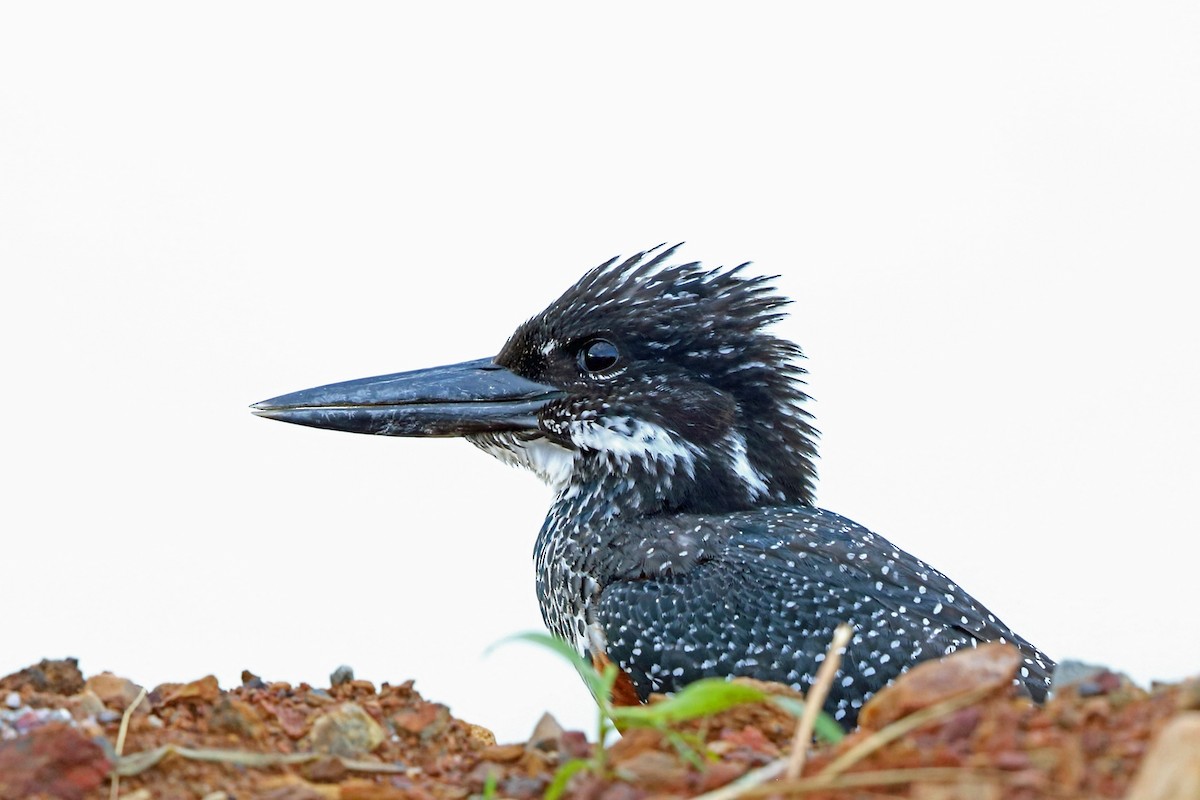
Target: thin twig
[
  {"x": 137, "y": 763},
  {"x": 748, "y": 783},
  {"x": 115, "y": 785},
  {"x": 751, "y": 784},
  {"x": 881, "y": 777},
  {"x": 815, "y": 700}
]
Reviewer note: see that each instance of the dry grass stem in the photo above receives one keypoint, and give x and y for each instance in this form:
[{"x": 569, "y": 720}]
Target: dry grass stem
[
  {"x": 748, "y": 784},
  {"x": 882, "y": 777},
  {"x": 815, "y": 700},
  {"x": 137, "y": 763},
  {"x": 115, "y": 785}
]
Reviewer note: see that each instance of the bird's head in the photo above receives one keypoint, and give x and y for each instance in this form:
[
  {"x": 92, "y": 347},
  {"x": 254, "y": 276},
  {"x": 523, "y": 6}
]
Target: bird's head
[{"x": 654, "y": 381}]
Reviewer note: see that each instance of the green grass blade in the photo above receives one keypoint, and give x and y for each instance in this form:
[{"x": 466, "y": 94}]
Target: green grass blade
[
  {"x": 489, "y": 784},
  {"x": 703, "y": 698},
  {"x": 825, "y": 728},
  {"x": 563, "y": 776}
]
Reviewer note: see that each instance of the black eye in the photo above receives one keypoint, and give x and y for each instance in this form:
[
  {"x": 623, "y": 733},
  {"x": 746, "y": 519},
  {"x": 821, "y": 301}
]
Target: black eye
[{"x": 598, "y": 355}]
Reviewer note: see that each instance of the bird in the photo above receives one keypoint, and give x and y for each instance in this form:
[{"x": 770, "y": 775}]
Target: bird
[{"x": 684, "y": 540}]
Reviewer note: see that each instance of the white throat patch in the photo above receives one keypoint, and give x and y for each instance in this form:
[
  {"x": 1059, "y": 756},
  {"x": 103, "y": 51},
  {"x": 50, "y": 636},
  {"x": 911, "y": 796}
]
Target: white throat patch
[{"x": 551, "y": 463}]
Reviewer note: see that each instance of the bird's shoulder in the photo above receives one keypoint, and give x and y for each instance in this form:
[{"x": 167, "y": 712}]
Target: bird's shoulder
[
  {"x": 802, "y": 554},
  {"x": 674, "y": 545}
]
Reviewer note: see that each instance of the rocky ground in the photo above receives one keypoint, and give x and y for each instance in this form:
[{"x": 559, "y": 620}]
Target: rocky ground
[{"x": 948, "y": 729}]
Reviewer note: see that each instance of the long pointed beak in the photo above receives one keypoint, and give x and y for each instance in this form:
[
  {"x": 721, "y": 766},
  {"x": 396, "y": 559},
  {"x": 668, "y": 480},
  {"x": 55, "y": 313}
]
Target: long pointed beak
[{"x": 456, "y": 400}]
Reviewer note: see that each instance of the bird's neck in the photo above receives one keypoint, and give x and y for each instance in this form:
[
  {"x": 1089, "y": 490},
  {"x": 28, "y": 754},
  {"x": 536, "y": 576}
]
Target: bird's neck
[{"x": 599, "y": 499}]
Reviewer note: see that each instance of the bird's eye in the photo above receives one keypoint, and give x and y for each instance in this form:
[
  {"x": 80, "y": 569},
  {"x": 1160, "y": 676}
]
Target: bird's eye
[{"x": 598, "y": 355}]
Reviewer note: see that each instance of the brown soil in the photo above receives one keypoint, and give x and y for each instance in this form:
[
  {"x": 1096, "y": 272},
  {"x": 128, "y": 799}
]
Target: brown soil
[{"x": 59, "y": 737}]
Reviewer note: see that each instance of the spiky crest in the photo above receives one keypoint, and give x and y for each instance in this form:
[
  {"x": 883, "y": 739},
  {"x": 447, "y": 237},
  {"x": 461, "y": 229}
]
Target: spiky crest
[{"x": 704, "y": 411}]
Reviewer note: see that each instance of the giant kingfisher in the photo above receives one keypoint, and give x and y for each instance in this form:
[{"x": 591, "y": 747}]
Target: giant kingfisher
[{"x": 683, "y": 541}]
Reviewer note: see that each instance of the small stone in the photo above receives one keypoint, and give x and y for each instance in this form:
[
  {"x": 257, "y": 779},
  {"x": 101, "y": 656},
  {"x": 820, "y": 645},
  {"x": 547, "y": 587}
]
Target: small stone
[
  {"x": 343, "y": 674},
  {"x": 547, "y": 734},
  {"x": 292, "y": 720},
  {"x": 425, "y": 720},
  {"x": 85, "y": 704},
  {"x": 576, "y": 745},
  {"x": 523, "y": 786},
  {"x": 719, "y": 774},
  {"x": 202, "y": 691},
  {"x": 115, "y": 692},
  {"x": 751, "y": 740},
  {"x": 252, "y": 681},
  {"x": 326, "y": 770},
  {"x": 502, "y": 753},
  {"x": 359, "y": 789},
  {"x": 23, "y": 720},
  {"x": 236, "y": 716},
  {"x": 1087, "y": 679},
  {"x": 347, "y": 731},
  {"x": 655, "y": 770},
  {"x": 12, "y": 700},
  {"x": 480, "y": 736},
  {"x": 635, "y": 741},
  {"x": 289, "y": 787},
  {"x": 988, "y": 665},
  {"x": 1102, "y": 683}
]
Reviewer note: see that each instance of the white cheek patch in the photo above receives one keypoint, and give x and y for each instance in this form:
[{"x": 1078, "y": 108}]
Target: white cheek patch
[{"x": 625, "y": 439}]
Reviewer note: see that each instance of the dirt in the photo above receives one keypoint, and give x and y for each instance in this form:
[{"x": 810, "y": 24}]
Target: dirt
[{"x": 60, "y": 737}]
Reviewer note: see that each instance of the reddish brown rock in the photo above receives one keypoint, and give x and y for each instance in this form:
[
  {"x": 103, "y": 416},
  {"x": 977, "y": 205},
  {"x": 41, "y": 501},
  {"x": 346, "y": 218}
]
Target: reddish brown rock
[
  {"x": 293, "y": 787},
  {"x": 634, "y": 741},
  {"x": 345, "y": 730},
  {"x": 655, "y": 770},
  {"x": 368, "y": 790},
  {"x": 1077, "y": 746},
  {"x": 205, "y": 690},
  {"x": 988, "y": 665},
  {"x": 502, "y": 753},
  {"x": 425, "y": 720},
  {"x": 54, "y": 761},
  {"x": 236, "y": 717},
  {"x": 115, "y": 692},
  {"x": 326, "y": 770},
  {"x": 50, "y": 676},
  {"x": 292, "y": 721}
]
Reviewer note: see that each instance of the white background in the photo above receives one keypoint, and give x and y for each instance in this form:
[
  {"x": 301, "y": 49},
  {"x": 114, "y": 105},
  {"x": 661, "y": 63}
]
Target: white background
[{"x": 987, "y": 219}]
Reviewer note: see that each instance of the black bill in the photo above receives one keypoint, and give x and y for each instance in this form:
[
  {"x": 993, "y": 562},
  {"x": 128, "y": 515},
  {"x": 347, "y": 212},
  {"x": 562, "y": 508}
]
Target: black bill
[{"x": 456, "y": 400}]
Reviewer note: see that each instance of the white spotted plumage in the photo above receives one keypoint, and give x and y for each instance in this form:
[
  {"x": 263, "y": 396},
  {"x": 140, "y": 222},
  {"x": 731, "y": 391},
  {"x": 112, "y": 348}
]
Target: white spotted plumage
[{"x": 683, "y": 540}]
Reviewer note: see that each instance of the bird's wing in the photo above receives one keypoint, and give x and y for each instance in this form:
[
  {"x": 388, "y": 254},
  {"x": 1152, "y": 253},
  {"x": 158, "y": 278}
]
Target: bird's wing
[
  {"x": 909, "y": 589},
  {"x": 760, "y": 594}
]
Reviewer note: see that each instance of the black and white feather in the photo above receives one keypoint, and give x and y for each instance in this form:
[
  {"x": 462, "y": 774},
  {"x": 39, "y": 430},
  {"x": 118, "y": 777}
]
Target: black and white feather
[{"x": 683, "y": 539}]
